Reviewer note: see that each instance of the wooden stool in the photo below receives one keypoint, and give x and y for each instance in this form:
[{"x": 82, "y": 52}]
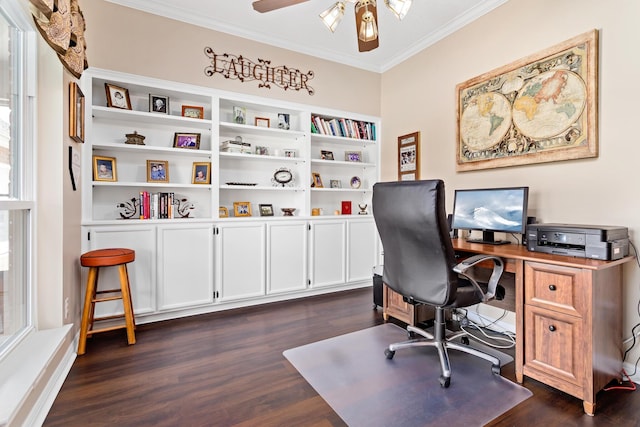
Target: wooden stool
[{"x": 106, "y": 258}]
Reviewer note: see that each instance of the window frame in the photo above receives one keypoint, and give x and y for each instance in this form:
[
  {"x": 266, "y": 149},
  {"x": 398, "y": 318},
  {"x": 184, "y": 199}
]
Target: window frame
[{"x": 23, "y": 139}]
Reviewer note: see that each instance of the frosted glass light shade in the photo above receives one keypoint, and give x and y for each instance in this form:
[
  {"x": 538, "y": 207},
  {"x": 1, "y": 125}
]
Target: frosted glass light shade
[
  {"x": 368, "y": 28},
  {"x": 332, "y": 16},
  {"x": 398, "y": 7}
]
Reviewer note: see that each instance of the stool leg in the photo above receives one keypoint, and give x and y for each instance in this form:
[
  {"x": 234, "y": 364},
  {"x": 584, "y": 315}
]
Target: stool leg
[
  {"x": 87, "y": 311},
  {"x": 126, "y": 302},
  {"x": 133, "y": 317}
]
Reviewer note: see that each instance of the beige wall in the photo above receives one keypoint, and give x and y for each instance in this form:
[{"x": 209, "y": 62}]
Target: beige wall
[
  {"x": 419, "y": 95},
  {"x": 128, "y": 40}
]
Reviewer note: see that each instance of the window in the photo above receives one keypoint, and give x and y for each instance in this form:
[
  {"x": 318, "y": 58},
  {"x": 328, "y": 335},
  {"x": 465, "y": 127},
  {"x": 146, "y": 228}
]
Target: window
[{"x": 16, "y": 195}]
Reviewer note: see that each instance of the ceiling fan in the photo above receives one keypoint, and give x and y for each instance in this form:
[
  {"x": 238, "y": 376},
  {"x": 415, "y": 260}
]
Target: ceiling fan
[{"x": 366, "y": 13}]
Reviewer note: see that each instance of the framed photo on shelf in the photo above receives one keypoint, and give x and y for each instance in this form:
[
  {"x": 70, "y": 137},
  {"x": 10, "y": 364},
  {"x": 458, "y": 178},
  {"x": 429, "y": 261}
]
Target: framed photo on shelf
[
  {"x": 117, "y": 97},
  {"x": 157, "y": 171},
  {"x": 262, "y": 122},
  {"x": 353, "y": 156},
  {"x": 193, "y": 111},
  {"x": 262, "y": 150},
  {"x": 104, "y": 168},
  {"x": 317, "y": 181},
  {"x": 201, "y": 173},
  {"x": 240, "y": 115},
  {"x": 326, "y": 155},
  {"x": 283, "y": 121},
  {"x": 186, "y": 140},
  {"x": 409, "y": 157},
  {"x": 158, "y": 104},
  {"x": 290, "y": 152},
  {"x": 266, "y": 210},
  {"x": 335, "y": 183},
  {"x": 223, "y": 212},
  {"x": 76, "y": 113},
  {"x": 241, "y": 209},
  {"x": 355, "y": 182}
]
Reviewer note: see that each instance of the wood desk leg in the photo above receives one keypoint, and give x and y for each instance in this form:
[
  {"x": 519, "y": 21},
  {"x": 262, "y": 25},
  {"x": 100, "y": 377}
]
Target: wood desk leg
[{"x": 589, "y": 407}]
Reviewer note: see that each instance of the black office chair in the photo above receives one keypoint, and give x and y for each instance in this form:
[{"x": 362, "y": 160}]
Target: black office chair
[{"x": 420, "y": 264}]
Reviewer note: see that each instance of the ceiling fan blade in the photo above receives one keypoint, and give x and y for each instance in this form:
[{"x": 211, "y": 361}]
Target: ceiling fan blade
[{"x": 263, "y": 6}]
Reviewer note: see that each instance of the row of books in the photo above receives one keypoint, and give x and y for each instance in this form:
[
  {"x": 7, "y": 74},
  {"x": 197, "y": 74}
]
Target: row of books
[
  {"x": 156, "y": 205},
  {"x": 343, "y": 127}
]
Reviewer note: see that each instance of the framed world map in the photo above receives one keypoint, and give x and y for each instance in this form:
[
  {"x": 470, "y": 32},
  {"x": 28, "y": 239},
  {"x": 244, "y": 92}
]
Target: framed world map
[{"x": 542, "y": 108}]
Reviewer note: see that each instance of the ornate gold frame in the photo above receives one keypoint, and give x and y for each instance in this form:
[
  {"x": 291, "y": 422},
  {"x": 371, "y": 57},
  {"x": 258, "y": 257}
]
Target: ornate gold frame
[{"x": 542, "y": 108}]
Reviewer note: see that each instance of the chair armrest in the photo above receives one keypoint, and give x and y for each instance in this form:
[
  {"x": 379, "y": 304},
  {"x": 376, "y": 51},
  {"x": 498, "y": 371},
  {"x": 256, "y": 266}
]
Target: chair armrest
[{"x": 498, "y": 268}]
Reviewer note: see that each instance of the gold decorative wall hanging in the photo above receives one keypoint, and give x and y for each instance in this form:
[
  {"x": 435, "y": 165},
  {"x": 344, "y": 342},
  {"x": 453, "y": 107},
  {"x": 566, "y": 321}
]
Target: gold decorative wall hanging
[
  {"x": 61, "y": 24},
  {"x": 240, "y": 68},
  {"x": 542, "y": 108}
]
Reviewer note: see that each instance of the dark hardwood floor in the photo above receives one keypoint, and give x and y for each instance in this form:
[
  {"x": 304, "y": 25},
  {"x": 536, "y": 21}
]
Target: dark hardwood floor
[{"x": 227, "y": 369}]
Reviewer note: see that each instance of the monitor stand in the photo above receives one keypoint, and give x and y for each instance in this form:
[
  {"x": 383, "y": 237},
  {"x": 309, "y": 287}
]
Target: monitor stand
[{"x": 488, "y": 239}]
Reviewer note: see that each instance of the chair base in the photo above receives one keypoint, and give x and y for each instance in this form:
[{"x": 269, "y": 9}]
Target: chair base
[{"x": 441, "y": 342}]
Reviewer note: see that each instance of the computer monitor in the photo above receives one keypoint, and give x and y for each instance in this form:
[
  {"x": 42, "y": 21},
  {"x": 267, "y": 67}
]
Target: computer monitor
[{"x": 491, "y": 210}]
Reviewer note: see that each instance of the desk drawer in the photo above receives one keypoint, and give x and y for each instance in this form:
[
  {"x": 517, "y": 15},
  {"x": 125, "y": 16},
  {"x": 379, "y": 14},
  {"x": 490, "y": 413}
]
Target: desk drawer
[
  {"x": 563, "y": 289},
  {"x": 556, "y": 350}
]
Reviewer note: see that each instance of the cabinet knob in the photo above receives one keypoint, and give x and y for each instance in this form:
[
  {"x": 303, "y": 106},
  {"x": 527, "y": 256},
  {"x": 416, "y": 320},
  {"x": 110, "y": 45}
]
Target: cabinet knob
[
  {"x": 552, "y": 328},
  {"x": 552, "y": 287}
]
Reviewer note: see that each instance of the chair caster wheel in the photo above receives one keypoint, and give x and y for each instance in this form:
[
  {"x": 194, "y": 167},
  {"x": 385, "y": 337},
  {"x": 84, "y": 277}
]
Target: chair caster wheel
[
  {"x": 465, "y": 340},
  {"x": 495, "y": 369},
  {"x": 389, "y": 354},
  {"x": 445, "y": 382}
]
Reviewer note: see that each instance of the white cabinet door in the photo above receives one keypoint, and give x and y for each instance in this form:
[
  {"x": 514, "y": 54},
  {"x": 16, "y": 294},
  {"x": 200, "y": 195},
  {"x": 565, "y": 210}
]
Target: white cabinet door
[
  {"x": 328, "y": 246},
  {"x": 185, "y": 265},
  {"x": 142, "y": 271},
  {"x": 361, "y": 249},
  {"x": 240, "y": 260},
  {"x": 286, "y": 256}
]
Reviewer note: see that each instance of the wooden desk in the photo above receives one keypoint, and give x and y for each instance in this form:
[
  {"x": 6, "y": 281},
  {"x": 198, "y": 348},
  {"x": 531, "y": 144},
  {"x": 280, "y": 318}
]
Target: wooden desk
[{"x": 568, "y": 318}]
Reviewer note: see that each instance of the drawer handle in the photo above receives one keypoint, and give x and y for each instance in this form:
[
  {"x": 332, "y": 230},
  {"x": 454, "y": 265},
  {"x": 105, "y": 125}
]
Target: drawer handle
[
  {"x": 552, "y": 287},
  {"x": 552, "y": 328}
]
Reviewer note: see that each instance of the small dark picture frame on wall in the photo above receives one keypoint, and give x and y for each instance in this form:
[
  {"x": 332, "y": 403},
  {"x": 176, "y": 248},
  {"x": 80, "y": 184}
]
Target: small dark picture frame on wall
[
  {"x": 76, "y": 113},
  {"x": 409, "y": 157}
]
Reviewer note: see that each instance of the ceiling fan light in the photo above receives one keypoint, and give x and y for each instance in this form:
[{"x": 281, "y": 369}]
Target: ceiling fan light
[
  {"x": 332, "y": 16},
  {"x": 368, "y": 28},
  {"x": 398, "y": 7}
]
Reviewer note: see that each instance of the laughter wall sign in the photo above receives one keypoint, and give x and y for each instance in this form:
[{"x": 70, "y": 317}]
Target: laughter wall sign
[{"x": 236, "y": 67}]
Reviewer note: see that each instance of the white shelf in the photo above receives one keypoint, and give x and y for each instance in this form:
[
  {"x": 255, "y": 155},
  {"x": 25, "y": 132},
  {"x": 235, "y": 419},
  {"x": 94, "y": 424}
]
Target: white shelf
[
  {"x": 359, "y": 165},
  {"x": 258, "y": 157},
  {"x": 318, "y": 137},
  {"x": 258, "y": 130},
  {"x": 259, "y": 187},
  {"x": 150, "y": 185},
  {"x": 151, "y": 149},
  {"x": 149, "y": 118}
]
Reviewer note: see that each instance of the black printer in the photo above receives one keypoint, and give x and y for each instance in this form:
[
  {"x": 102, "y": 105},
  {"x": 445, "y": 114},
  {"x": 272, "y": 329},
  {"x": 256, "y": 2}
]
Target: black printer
[{"x": 585, "y": 241}]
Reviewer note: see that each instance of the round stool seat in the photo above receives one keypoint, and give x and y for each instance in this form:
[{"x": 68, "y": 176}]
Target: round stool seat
[{"x": 107, "y": 257}]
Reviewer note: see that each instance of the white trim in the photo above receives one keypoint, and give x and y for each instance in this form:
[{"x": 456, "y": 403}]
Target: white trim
[{"x": 28, "y": 369}]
